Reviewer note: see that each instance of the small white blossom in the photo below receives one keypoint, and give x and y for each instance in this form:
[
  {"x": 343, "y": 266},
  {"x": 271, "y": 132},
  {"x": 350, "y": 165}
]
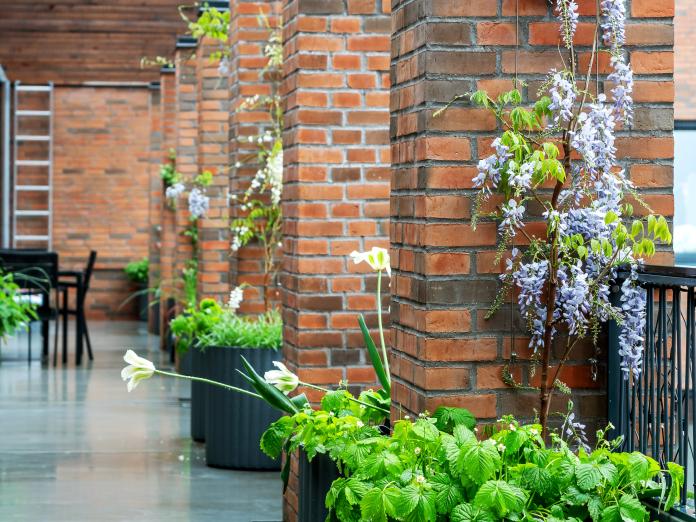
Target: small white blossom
[
  {"x": 282, "y": 378},
  {"x": 138, "y": 369},
  {"x": 236, "y": 298}
]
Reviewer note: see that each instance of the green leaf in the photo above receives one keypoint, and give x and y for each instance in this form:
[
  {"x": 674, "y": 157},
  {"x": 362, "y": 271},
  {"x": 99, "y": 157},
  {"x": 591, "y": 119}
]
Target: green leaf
[
  {"x": 382, "y": 463},
  {"x": 378, "y": 503},
  {"x": 449, "y": 417},
  {"x": 377, "y": 364},
  {"x": 588, "y": 476},
  {"x": 270, "y": 393},
  {"x": 676, "y": 473},
  {"x": 637, "y": 466},
  {"x": 537, "y": 479},
  {"x": 611, "y": 514},
  {"x": 469, "y": 513},
  {"x": 448, "y": 493},
  {"x": 425, "y": 430},
  {"x": 610, "y": 217},
  {"x": 275, "y": 436},
  {"x": 478, "y": 459},
  {"x": 500, "y": 497},
  {"x": 631, "y": 510},
  {"x": 595, "y": 506},
  {"x": 550, "y": 150},
  {"x": 334, "y": 400},
  {"x": 354, "y": 490}
]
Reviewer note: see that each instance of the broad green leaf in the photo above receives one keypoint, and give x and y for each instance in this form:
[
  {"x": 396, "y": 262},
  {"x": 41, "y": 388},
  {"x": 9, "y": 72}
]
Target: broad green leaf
[
  {"x": 448, "y": 493},
  {"x": 595, "y": 506},
  {"x": 275, "y": 436},
  {"x": 449, "y": 417},
  {"x": 425, "y": 430},
  {"x": 500, "y": 497},
  {"x": 478, "y": 459},
  {"x": 354, "y": 490},
  {"x": 377, "y": 362},
  {"x": 378, "y": 503},
  {"x": 587, "y": 476},
  {"x": 676, "y": 473},
  {"x": 611, "y": 514},
  {"x": 631, "y": 510},
  {"x": 468, "y": 513},
  {"x": 637, "y": 466}
]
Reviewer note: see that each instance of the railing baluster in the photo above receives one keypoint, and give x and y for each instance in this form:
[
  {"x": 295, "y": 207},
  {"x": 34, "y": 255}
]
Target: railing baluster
[{"x": 647, "y": 370}]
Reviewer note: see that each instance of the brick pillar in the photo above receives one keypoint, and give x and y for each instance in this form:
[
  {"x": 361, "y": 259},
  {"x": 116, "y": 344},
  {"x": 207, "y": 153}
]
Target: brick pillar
[
  {"x": 247, "y": 41},
  {"x": 336, "y": 157},
  {"x": 213, "y": 129},
  {"x": 168, "y": 216},
  {"x": 156, "y": 196},
  {"x": 186, "y": 140},
  {"x": 444, "y": 271}
]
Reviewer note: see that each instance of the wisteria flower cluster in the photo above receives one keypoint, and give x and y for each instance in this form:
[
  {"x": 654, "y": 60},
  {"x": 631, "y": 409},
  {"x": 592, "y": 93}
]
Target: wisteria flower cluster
[{"x": 563, "y": 279}]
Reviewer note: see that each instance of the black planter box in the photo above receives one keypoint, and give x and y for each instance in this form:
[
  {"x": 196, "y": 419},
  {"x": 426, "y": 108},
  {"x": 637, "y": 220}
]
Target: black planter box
[
  {"x": 199, "y": 394},
  {"x": 315, "y": 479},
  {"x": 235, "y": 422},
  {"x": 143, "y": 304}
]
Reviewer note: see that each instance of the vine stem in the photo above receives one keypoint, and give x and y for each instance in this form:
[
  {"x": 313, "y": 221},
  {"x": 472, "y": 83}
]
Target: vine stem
[{"x": 208, "y": 381}]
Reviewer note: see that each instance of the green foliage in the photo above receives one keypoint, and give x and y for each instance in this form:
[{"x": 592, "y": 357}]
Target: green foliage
[
  {"x": 421, "y": 473},
  {"x": 264, "y": 331},
  {"x": 138, "y": 271},
  {"x": 194, "y": 322},
  {"x": 168, "y": 172},
  {"x": 16, "y": 310}
]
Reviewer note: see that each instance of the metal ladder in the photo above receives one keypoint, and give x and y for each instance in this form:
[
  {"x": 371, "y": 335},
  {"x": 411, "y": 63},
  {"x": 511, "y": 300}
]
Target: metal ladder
[{"x": 20, "y": 238}]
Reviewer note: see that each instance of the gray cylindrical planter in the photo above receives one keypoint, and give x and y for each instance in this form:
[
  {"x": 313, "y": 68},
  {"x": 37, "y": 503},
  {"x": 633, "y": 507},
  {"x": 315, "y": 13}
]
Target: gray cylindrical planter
[
  {"x": 235, "y": 422},
  {"x": 199, "y": 394},
  {"x": 315, "y": 479}
]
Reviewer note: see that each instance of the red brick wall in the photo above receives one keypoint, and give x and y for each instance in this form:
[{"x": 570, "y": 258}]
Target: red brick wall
[
  {"x": 445, "y": 278},
  {"x": 336, "y": 184},
  {"x": 247, "y": 40},
  {"x": 685, "y": 60},
  {"x": 213, "y": 155},
  {"x": 101, "y": 187}
]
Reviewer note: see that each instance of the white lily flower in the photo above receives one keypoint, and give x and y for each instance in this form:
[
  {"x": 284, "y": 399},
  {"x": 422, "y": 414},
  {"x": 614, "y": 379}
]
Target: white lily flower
[
  {"x": 377, "y": 258},
  {"x": 138, "y": 369},
  {"x": 282, "y": 378}
]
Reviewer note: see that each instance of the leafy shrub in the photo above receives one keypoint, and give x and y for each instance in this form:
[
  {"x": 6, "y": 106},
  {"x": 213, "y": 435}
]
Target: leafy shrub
[
  {"x": 15, "y": 309},
  {"x": 191, "y": 325},
  {"x": 264, "y": 331},
  {"x": 423, "y": 474},
  {"x": 137, "y": 271}
]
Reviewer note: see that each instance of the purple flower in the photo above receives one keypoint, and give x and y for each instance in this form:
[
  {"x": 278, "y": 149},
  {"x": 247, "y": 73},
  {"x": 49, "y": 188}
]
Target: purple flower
[
  {"x": 595, "y": 138},
  {"x": 573, "y": 297},
  {"x": 512, "y": 217},
  {"x": 563, "y": 97},
  {"x": 530, "y": 278},
  {"x": 621, "y": 93},
  {"x": 567, "y": 11},
  {"x": 198, "y": 203},
  {"x": 632, "y": 328},
  {"x": 614, "y": 23},
  {"x": 489, "y": 168},
  {"x": 520, "y": 178}
]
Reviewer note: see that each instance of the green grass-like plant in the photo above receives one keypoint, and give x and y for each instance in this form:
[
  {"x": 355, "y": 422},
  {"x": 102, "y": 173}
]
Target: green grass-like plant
[
  {"x": 263, "y": 331},
  {"x": 138, "y": 271}
]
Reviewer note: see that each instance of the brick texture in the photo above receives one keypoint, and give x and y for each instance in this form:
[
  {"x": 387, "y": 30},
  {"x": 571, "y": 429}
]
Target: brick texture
[
  {"x": 156, "y": 196},
  {"x": 247, "y": 62},
  {"x": 445, "y": 278},
  {"x": 336, "y": 156},
  {"x": 101, "y": 165},
  {"x": 213, "y": 155}
]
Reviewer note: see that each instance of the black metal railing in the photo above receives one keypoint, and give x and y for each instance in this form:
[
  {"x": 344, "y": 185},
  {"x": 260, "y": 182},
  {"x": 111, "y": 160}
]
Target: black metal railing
[{"x": 655, "y": 412}]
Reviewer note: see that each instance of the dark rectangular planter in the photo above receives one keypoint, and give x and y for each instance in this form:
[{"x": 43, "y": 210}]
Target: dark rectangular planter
[
  {"x": 199, "y": 394},
  {"x": 315, "y": 479},
  {"x": 143, "y": 302},
  {"x": 235, "y": 422}
]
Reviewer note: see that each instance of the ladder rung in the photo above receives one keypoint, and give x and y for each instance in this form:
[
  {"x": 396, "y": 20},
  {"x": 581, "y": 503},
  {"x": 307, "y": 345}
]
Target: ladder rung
[
  {"x": 32, "y": 238},
  {"x": 33, "y": 88},
  {"x": 31, "y": 213},
  {"x": 32, "y": 113},
  {"x": 29, "y": 137},
  {"x": 37, "y": 188},
  {"x": 33, "y": 163}
]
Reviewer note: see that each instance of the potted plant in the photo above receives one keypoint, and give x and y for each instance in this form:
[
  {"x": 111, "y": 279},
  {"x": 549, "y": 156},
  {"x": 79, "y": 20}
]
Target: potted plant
[
  {"x": 16, "y": 309},
  {"x": 137, "y": 272}
]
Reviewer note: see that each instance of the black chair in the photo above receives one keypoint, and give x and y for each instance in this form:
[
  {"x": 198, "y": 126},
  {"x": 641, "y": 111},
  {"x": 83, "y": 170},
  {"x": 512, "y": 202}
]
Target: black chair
[
  {"x": 36, "y": 273},
  {"x": 79, "y": 280}
]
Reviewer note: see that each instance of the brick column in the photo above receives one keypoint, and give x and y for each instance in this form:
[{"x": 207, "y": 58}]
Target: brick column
[
  {"x": 247, "y": 41},
  {"x": 168, "y": 216},
  {"x": 336, "y": 184},
  {"x": 444, "y": 271},
  {"x": 213, "y": 129},
  {"x": 186, "y": 140},
  {"x": 156, "y": 196}
]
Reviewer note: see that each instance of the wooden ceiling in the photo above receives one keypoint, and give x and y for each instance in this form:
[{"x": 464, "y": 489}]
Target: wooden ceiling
[{"x": 77, "y": 41}]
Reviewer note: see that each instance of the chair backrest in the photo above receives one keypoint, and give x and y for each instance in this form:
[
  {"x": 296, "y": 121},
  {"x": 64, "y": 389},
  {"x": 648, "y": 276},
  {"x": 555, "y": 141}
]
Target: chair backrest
[
  {"x": 89, "y": 269},
  {"x": 34, "y": 269}
]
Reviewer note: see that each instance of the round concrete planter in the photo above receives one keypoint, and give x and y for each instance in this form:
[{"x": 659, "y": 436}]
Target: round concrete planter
[
  {"x": 199, "y": 394},
  {"x": 315, "y": 479},
  {"x": 235, "y": 422}
]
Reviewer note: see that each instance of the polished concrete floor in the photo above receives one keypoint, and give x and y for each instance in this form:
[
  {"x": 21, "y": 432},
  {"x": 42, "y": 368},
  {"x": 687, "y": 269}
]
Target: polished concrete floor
[{"x": 75, "y": 446}]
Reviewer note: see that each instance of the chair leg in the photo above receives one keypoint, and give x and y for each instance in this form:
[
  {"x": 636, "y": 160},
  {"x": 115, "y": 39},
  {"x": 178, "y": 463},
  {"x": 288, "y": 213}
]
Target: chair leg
[
  {"x": 45, "y": 340},
  {"x": 64, "y": 312},
  {"x": 29, "y": 344},
  {"x": 85, "y": 330}
]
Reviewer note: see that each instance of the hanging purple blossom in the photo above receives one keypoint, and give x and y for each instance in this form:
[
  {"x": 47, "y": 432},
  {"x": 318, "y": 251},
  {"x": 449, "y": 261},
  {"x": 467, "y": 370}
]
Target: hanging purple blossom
[
  {"x": 530, "y": 278},
  {"x": 614, "y": 23},
  {"x": 632, "y": 328},
  {"x": 595, "y": 138},
  {"x": 563, "y": 96},
  {"x": 489, "y": 168},
  {"x": 512, "y": 217},
  {"x": 567, "y": 11},
  {"x": 621, "y": 93},
  {"x": 573, "y": 297},
  {"x": 520, "y": 178},
  {"x": 198, "y": 203}
]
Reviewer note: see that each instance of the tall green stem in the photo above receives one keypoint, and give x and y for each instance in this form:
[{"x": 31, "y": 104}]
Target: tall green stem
[
  {"x": 358, "y": 401},
  {"x": 379, "y": 323},
  {"x": 208, "y": 381}
]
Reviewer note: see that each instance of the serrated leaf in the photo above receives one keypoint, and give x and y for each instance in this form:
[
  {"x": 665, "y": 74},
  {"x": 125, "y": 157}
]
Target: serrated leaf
[
  {"x": 448, "y": 494},
  {"x": 637, "y": 466},
  {"x": 631, "y": 509},
  {"x": 611, "y": 514},
  {"x": 378, "y": 503},
  {"x": 468, "y": 513},
  {"x": 479, "y": 460},
  {"x": 500, "y": 497},
  {"x": 275, "y": 436},
  {"x": 537, "y": 479},
  {"x": 587, "y": 476},
  {"x": 425, "y": 430},
  {"x": 595, "y": 506},
  {"x": 354, "y": 490},
  {"x": 449, "y": 417}
]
